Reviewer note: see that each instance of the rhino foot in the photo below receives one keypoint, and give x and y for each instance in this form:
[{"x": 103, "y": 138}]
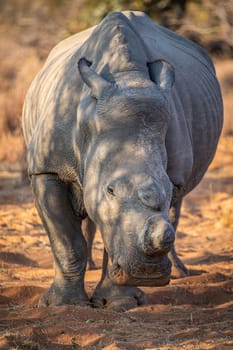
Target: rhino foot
[
  {"x": 118, "y": 298},
  {"x": 64, "y": 294}
]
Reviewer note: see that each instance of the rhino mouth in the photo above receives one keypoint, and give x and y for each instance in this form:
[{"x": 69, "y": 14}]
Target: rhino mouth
[{"x": 144, "y": 273}]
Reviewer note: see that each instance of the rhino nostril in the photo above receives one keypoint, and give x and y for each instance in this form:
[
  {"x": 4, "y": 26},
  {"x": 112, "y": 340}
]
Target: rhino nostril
[
  {"x": 110, "y": 190},
  {"x": 168, "y": 237},
  {"x": 163, "y": 241}
]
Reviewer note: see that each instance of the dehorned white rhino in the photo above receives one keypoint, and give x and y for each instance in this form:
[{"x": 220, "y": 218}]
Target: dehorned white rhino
[{"x": 121, "y": 123}]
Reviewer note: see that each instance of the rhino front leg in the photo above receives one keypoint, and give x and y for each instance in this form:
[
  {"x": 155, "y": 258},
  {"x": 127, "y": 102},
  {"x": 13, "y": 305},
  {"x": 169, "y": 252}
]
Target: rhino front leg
[
  {"x": 68, "y": 245},
  {"x": 89, "y": 229},
  {"x": 115, "y": 297},
  {"x": 178, "y": 268}
]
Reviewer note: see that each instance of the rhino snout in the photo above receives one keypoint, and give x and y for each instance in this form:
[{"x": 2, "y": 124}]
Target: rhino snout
[{"x": 157, "y": 236}]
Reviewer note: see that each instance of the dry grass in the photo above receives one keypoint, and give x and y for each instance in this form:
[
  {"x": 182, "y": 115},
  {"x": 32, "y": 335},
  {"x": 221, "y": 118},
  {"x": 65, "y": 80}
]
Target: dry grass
[
  {"x": 18, "y": 67},
  {"x": 227, "y": 215},
  {"x": 224, "y": 71}
]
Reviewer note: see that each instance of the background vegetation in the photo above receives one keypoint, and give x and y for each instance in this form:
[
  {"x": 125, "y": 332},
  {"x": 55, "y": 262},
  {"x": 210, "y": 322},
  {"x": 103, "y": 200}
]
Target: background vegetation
[{"x": 29, "y": 29}]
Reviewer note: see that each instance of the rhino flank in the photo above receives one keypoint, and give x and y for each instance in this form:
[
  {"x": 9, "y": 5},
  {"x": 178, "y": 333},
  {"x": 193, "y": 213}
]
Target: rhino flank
[{"x": 115, "y": 143}]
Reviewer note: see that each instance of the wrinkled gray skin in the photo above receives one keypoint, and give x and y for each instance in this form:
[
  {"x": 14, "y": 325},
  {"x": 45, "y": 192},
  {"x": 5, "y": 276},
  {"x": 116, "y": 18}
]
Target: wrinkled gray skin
[{"x": 118, "y": 143}]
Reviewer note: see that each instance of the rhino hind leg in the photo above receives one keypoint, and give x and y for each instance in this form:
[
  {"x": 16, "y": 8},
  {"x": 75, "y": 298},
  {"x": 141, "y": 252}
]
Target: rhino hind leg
[
  {"x": 115, "y": 297},
  {"x": 63, "y": 226},
  {"x": 89, "y": 229},
  {"x": 178, "y": 268}
]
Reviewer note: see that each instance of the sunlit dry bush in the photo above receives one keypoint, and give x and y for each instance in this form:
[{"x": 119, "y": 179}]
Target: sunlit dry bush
[
  {"x": 18, "y": 66},
  {"x": 28, "y": 29},
  {"x": 225, "y": 74}
]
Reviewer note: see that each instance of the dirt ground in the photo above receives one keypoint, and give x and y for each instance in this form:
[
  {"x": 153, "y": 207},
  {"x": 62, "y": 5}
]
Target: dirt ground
[{"x": 195, "y": 312}]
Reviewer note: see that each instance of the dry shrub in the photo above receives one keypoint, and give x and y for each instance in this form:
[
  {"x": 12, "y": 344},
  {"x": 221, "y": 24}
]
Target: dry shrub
[
  {"x": 12, "y": 109},
  {"x": 227, "y": 218},
  {"x": 228, "y": 117},
  {"x": 12, "y": 150},
  {"x": 225, "y": 213},
  {"x": 18, "y": 67},
  {"x": 225, "y": 74}
]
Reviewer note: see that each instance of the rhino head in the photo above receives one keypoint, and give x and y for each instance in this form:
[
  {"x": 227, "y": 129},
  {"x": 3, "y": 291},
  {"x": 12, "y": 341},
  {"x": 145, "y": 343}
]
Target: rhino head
[{"x": 127, "y": 191}]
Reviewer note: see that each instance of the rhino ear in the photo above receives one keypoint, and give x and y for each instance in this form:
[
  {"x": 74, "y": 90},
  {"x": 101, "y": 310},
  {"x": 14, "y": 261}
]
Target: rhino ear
[
  {"x": 162, "y": 73},
  {"x": 96, "y": 83}
]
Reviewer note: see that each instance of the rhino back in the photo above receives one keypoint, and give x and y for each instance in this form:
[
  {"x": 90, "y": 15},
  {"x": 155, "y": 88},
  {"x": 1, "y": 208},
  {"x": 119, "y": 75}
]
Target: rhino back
[{"x": 196, "y": 103}]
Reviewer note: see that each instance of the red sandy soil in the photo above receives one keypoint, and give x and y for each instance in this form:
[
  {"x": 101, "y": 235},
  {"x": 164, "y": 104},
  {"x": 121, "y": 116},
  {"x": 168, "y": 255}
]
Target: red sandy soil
[{"x": 195, "y": 312}]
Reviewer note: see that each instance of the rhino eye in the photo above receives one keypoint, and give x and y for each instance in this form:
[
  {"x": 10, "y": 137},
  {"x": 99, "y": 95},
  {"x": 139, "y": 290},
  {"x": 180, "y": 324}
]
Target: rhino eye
[{"x": 110, "y": 190}]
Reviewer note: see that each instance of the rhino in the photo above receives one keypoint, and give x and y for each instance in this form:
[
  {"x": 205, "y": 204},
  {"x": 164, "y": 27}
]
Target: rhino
[{"x": 120, "y": 124}]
